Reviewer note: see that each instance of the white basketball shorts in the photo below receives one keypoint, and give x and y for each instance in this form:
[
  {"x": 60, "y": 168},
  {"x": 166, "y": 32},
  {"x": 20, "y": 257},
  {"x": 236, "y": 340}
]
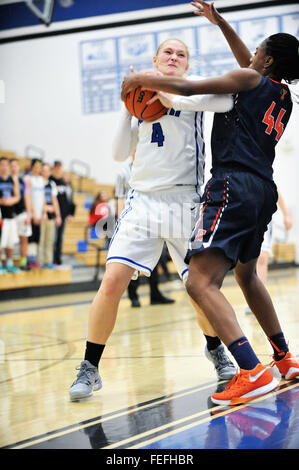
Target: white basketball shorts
[
  {"x": 24, "y": 230},
  {"x": 9, "y": 233},
  {"x": 149, "y": 220}
]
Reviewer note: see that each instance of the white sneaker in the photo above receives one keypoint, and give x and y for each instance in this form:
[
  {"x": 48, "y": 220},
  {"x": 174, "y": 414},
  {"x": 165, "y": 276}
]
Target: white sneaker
[
  {"x": 88, "y": 380},
  {"x": 225, "y": 369}
]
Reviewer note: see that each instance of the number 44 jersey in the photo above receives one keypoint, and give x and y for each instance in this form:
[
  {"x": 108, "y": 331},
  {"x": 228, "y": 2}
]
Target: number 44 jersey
[{"x": 246, "y": 136}]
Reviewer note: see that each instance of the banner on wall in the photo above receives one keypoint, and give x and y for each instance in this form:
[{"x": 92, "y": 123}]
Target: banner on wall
[{"x": 104, "y": 62}]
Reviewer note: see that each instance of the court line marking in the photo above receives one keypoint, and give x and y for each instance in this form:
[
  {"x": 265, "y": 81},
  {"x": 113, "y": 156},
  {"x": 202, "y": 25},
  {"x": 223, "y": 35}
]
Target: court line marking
[
  {"x": 80, "y": 302},
  {"x": 143, "y": 294},
  {"x": 201, "y": 421},
  {"x": 135, "y": 408}
]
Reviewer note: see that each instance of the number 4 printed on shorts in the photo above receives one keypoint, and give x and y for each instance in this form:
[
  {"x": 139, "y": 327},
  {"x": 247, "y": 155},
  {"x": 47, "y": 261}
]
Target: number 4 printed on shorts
[{"x": 269, "y": 120}]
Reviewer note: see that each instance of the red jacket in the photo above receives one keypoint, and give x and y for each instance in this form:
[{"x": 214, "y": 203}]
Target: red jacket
[{"x": 100, "y": 211}]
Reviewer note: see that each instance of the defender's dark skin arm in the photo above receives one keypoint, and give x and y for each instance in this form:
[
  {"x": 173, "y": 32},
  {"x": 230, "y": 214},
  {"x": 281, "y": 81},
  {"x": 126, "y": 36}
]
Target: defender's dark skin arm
[
  {"x": 238, "y": 48},
  {"x": 232, "y": 82}
]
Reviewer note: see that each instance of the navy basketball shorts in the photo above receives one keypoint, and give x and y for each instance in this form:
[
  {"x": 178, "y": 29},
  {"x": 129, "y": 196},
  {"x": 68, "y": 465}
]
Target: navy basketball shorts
[{"x": 236, "y": 208}]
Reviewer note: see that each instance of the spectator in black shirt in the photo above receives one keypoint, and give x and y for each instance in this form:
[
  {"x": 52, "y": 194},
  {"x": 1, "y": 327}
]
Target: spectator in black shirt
[
  {"x": 64, "y": 206},
  {"x": 69, "y": 194}
]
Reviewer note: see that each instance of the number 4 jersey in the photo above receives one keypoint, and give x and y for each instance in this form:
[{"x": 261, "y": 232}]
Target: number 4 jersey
[{"x": 246, "y": 136}]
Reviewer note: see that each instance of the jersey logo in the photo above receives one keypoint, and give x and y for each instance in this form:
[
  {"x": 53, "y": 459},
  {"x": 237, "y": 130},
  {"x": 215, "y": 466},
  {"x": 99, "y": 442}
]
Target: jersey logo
[
  {"x": 199, "y": 237},
  {"x": 172, "y": 112},
  {"x": 271, "y": 123},
  {"x": 283, "y": 92}
]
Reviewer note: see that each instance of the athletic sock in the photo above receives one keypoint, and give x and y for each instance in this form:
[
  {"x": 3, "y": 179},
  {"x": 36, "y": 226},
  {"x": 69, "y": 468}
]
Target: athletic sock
[
  {"x": 23, "y": 261},
  {"x": 212, "y": 342},
  {"x": 9, "y": 263},
  {"x": 279, "y": 345},
  {"x": 93, "y": 353},
  {"x": 243, "y": 353}
]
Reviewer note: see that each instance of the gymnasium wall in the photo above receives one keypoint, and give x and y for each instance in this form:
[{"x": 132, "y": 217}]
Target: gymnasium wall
[{"x": 62, "y": 91}]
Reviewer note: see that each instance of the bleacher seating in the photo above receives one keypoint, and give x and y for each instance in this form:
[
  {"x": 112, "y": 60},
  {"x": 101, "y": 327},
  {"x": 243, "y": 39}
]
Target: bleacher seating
[
  {"x": 85, "y": 189},
  {"x": 76, "y": 243}
]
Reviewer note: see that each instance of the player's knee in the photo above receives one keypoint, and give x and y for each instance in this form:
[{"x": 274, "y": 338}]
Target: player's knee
[
  {"x": 263, "y": 259},
  {"x": 245, "y": 278},
  {"x": 196, "y": 286},
  {"x": 189, "y": 287},
  {"x": 111, "y": 286}
]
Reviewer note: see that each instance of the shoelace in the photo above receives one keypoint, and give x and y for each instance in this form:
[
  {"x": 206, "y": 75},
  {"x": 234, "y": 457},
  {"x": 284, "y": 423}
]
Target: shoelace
[
  {"x": 238, "y": 379},
  {"x": 233, "y": 381},
  {"x": 223, "y": 360},
  {"x": 84, "y": 371}
]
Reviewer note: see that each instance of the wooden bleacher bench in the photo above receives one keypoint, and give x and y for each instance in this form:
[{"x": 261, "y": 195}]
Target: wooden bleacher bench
[
  {"x": 75, "y": 229},
  {"x": 284, "y": 252},
  {"x": 35, "y": 278},
  {"x": 90, "y": 257}
]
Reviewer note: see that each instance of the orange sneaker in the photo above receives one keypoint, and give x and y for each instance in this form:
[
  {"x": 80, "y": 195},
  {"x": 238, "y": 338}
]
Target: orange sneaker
[
  {"x": 245, "y": 386},
  {"x": 288, "y": 366}
]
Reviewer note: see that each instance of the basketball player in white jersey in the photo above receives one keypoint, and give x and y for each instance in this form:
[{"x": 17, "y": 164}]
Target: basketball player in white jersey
[{"x": 166, "y": 179}]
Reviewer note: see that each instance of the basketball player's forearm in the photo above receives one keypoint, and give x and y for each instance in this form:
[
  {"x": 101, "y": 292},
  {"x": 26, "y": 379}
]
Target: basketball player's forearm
[
  {"x": 16, "y": 194},
  {"x": 237, "y": 46},
  {"x": 212, "y": 103},
  {"x": 181, "y": 86},
  {"x": 281, "y": 204},
  {"x": 56, "y": 206},
  {"x": 230, "y": 83},
  {"x": 28, "y": 205},
  {"x": 124, "y": 141}
]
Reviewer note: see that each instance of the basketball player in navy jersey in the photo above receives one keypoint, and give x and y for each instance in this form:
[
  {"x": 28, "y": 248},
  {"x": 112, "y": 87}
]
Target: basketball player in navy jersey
[{"x": 240, "y": 198}]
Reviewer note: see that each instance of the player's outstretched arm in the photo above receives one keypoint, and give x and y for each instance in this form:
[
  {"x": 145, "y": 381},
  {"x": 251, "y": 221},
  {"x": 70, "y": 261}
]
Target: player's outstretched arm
[
  {"x": 213, "y": 103},
  {"x": 238, "y": 48},
  {"x": 232, "y": 82}
]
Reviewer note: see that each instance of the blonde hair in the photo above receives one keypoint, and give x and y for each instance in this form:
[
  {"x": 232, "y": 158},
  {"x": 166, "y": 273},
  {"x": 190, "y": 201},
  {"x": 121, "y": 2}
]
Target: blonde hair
[{"x": 174, "y": 39}]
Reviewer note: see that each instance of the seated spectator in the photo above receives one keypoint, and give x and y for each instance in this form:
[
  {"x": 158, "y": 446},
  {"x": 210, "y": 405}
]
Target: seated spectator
[
  {"x": 51, "y": 216},
  {"x": 9, "y": 196},
  {"x": 99, "y": 209},
  {"x": 99, "y": 216}
]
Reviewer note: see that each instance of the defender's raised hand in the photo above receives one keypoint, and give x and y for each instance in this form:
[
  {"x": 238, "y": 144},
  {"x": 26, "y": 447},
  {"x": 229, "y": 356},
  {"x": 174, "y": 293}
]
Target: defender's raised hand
[{"x": 207, "y": 10}]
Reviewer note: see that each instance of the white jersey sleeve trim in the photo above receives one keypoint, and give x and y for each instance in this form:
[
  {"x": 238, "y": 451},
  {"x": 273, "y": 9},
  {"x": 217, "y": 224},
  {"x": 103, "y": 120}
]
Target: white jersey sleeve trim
[{"x": 212, "y": 103}]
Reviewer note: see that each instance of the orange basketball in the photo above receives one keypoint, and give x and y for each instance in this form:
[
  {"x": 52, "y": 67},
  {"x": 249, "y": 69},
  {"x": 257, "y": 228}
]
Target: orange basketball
[{"x": 136, "y": 105}]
